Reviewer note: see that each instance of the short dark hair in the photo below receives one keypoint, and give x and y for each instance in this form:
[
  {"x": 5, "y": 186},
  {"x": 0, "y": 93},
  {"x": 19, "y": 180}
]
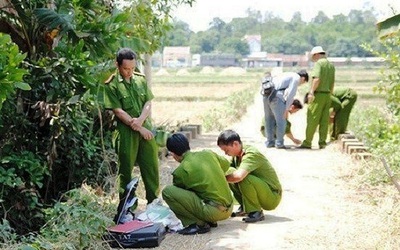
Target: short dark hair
[
  {"x": 297, "y": 104},
  {"x": 178, "y": 144},
  {"x": 125, "y": 53},
  {"x": 303, "y": 73},
  {"x": 227, "y": 138}
]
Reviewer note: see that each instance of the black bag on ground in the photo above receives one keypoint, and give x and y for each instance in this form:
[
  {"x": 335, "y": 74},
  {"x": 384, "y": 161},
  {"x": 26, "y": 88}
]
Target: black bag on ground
[
  {"x": 146, "y": 237},
  {"x": 128, "y": 202},
  {"x": 128, "y": 231}
]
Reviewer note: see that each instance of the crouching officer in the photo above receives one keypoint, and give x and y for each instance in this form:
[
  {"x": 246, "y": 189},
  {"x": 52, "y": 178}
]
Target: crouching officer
[
  {"x": 252, "y": 179},
  {"x": 200, "y": 195},
  {"x": 342, "y": 102}
]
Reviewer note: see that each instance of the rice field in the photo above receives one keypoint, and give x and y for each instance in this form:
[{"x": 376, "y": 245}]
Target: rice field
[{"x": 185, "y": 98}]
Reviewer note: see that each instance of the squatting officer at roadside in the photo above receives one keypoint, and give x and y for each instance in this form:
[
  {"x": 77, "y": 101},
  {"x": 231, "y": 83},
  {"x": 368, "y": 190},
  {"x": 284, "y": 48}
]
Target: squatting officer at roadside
[
  {"x": 200, "y": 195},
  {"x": 342, "y": 102},
  {"x": 252, "y": 179}
]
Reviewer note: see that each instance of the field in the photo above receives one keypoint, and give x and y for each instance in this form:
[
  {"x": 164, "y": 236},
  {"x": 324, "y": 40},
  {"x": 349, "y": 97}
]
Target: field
[{"x": 187, "y": 98}]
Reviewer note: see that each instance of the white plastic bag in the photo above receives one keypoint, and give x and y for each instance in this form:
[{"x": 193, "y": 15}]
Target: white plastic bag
[{"x": 156, "y": 211}]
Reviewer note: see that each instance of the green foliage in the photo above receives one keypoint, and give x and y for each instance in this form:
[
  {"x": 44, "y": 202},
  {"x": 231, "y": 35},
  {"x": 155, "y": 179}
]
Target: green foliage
[
  {"x": 381, "y": 132},
  {"x": 7, "y": 234},
  {"x": 390, "y": 83},
  {"x": 56, "y": 136},
  {"x": 22, "y": 176},
  {"x": 340, "y": 35},
  {"x": 380, "y": 127},
  {"x": 231, "y": 111},
  {"x": 77, "y": 223},
  {"x": 11, "y": 74}
]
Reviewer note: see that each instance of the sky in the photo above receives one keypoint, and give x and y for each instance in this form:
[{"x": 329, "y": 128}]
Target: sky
[{"x": 202, "y": 12}]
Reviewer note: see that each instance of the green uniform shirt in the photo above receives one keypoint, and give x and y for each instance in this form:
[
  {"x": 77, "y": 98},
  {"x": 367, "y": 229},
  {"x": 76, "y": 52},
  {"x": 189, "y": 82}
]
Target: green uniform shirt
[
  {"x": 129, "y": 96},
  {"x": 340, "y": 98},
  {"x": 325, "y": 71},
  {"x": 203, "y": 173},
  {"x": 254, "y": 162},
  {"x": 288, "y": 127}
]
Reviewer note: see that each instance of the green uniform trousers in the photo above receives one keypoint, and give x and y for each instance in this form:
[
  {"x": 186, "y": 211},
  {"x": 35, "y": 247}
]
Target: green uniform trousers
[
  {"x": 342, "y": 116},
  {"x": 318, "y": 115},
  {"x": 133, "y": 148},
  {"x": 190, "y": 208},
  {"x": 254, "y": 194}
]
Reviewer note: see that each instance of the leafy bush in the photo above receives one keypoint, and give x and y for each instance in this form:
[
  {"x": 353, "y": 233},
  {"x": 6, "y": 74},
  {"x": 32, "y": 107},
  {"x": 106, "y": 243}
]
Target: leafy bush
[
  {"x": 379, "y": 128},
  {"x": 380, "y": 131},
  {"x": 11, "y": 74},
  {"x": 21, "y": 176},
  {"x": 7, "y": 235},
  {"x": 77, "y": 223}
]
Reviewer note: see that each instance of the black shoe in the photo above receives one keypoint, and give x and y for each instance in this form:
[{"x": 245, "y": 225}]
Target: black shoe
[
  {"x": 304, "y": 147},
  {"x": 212, "y": 224},
  {"x": 195, "y": 229},
  {"x": 254, "y": 217},
  {"x": 239, "y": 212},
  {"x": 322, "y": 146},
  {"x": 281, "y": 147}
]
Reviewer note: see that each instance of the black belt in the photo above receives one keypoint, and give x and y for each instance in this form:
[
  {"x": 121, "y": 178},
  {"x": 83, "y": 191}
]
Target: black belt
[{"x": 217, "y": 205}]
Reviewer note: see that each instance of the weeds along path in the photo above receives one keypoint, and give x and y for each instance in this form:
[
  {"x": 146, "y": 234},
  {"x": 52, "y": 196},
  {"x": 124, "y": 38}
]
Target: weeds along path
[{"x": 319, "y": 209}]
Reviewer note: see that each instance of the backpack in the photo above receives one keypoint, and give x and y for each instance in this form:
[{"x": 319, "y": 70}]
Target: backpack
[{"x": 267, "y": 88}]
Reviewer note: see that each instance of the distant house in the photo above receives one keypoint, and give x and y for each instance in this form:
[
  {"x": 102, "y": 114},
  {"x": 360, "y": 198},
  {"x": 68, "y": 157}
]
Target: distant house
[
  {"x": 261, "y": 60},
  {"x": 175, "y": 57},
  {"x": 219, "y": 60},
  {"x": 254, "y": 42},
  {"x": 290, "y": 60}
]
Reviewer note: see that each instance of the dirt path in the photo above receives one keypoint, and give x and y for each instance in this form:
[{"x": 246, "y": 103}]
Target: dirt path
[{"x": 319, "y": 209}]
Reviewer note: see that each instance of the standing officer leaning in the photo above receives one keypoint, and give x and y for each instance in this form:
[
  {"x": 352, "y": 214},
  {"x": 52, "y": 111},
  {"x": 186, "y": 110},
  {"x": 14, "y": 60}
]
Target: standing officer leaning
[
  {"x": 129, "y": 97},
  {"x": 319, "y": 101}
]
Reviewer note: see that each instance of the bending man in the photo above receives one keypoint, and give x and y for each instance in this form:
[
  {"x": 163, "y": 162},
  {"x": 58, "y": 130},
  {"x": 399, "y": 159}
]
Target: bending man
[{"x": 343, "y": 100}]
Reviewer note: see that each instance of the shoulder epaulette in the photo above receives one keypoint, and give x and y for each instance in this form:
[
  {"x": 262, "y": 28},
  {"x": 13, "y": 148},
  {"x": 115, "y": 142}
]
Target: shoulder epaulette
[
  {"x": 138, "y": 73},
  {"x": 109, "y": 79}
]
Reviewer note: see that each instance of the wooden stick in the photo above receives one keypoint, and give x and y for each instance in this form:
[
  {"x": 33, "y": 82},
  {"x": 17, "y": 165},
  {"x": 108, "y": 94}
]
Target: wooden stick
[{"x": 390, "y": 173}]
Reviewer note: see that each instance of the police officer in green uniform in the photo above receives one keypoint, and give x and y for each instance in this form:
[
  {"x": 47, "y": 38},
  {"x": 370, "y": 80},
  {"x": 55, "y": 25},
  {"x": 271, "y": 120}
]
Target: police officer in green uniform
[
  {"x": 342, "y": 102},
  {"x": 319, "y": 101},
  {"x": 252, "y": 179},
  {"x": 200, "y": 195},
  {"x": 129, "y": 97}
]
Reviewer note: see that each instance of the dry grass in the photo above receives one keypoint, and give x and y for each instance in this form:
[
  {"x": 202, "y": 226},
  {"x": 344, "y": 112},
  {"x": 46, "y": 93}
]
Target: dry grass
[
  {"x": 192, "y": 101},
  {"x": 209, "y": 90}
]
